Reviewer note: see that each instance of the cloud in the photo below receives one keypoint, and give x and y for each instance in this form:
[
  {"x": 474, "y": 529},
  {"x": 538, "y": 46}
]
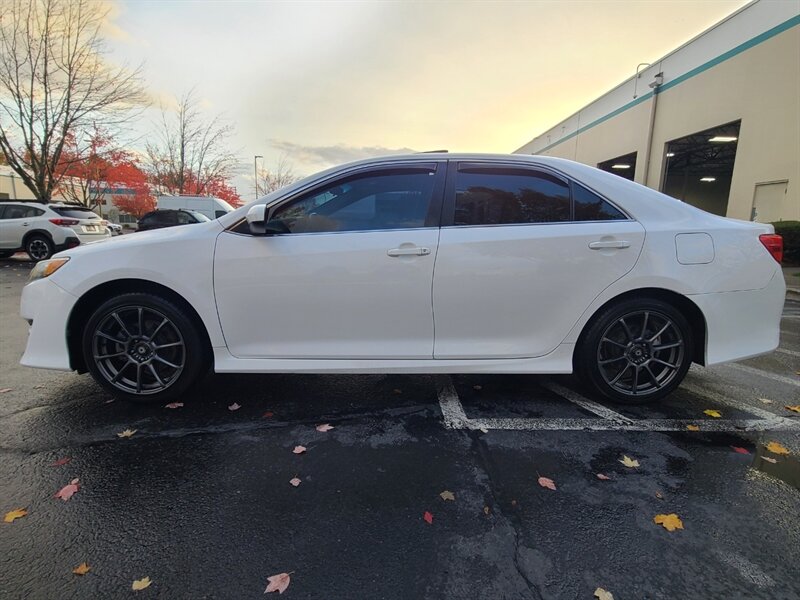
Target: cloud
[{"x": 332, "y": 155}]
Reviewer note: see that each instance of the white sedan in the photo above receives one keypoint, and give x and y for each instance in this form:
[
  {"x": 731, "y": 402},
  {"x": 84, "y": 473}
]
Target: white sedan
[{"x": 428, "y": 263}]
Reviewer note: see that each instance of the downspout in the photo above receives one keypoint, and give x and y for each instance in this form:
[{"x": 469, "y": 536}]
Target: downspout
[{"x": 648, "y": 151}]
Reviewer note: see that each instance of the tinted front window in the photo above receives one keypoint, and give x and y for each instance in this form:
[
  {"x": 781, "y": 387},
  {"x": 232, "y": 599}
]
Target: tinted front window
[
  {"x": 75, "y": 213},
  {"x": 386, "y": 200},
  {"x": 509, "y": 196},
  {"x": 184, "y": 217},
  {"x": 591, "y": 207},
  {"x": 198, "y": 216}
]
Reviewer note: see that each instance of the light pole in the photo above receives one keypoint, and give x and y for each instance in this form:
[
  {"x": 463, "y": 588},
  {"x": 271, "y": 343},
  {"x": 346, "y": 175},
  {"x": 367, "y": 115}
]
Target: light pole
[{"x": 255, "y": 171}]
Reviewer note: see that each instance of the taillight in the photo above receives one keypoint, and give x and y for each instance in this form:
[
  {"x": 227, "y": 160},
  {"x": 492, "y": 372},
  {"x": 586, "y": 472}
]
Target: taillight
[
  {"x": 774, "y": 245},
  {"x": 104, "y": 223},
  {"x": 64, "y": 222}
]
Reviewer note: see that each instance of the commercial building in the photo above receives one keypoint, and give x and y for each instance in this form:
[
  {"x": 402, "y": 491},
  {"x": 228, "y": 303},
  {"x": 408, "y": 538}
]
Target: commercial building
[{"x": 715, "y": 123}]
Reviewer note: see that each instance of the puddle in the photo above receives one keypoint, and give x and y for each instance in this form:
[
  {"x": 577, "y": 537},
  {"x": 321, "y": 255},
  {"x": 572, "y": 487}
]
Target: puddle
[{"x": 786, "y": 466}]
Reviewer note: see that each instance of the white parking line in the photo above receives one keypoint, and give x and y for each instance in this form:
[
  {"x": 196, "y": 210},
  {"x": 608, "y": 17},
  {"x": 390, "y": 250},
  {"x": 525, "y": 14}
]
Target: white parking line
[
  {"x": 787, "y": 352},
  {"x": 760, "y": 373},
  {"x": 456, "y": 418}
]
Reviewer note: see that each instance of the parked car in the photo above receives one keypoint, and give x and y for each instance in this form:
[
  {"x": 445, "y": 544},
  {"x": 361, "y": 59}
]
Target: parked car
[
  {"x": 158, "y": 219},
  {"x": 87, "y": 225},
  {"x": 542, "y": 265},
  {"x": 34, "y": 228},
  {"x": 114, "y": 229},
  {"x": 207, "y": 205}
]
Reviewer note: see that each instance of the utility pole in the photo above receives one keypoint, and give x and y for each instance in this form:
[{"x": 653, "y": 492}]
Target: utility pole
[{"x": 255, "y": 171}]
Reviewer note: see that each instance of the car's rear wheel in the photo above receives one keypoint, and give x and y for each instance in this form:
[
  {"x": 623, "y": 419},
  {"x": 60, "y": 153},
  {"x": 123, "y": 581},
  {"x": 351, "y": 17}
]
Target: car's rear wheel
[
  {"x": 143, "y": 347},
  {"x": 636, "y": 351},
  {"x": 39, "y": 247}
]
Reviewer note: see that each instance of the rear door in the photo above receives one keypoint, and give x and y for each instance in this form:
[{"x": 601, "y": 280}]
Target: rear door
[{"x": 522, "y": 254}]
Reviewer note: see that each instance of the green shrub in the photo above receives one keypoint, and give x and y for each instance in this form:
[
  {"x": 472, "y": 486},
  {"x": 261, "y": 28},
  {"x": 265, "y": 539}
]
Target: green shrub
[{"x": 790, "y": 230}]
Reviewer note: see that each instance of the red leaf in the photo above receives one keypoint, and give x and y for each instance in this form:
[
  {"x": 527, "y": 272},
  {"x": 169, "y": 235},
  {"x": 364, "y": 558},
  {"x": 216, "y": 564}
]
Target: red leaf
[
  {"x": 234, "y": 406},
  {"x": 427, "y": 517},
  {"x": 603, "y": 477},
  {"x": 278, "y": 583},
  {"x": 324, "y": 428},
  {"x": 174, "y": 405},
  {"x": 68, "y": 490},
  {"x": 61, "y": 461},
  {"x": 547, "y": 483},
  {"x": 295, "y": 481},
  {"x": 740, "y": 450},
  {"x": 299, "y": 449},
  {"x": 267, "y": 415}
]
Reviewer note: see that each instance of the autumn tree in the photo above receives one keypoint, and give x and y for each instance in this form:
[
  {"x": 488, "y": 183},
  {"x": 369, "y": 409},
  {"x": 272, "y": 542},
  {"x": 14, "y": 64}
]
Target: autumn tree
[
  {"x": 55, "y": 84},
  {"x": 270, "y": 180},
  {"x": 192, "y": 153},
  {"x": 137, "y": 198}
]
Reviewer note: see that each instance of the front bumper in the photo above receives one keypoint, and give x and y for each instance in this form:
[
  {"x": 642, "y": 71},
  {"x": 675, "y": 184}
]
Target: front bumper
[{"x": 47, "y": 307}]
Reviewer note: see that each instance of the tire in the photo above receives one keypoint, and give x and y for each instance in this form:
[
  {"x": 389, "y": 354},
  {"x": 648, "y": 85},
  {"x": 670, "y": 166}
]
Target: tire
[
  {"x": 5, "y": 254},
  {"x": 636, "y": 351},
  {"x": 39, "y": 248},
  {"x": 147, "y": 349}
]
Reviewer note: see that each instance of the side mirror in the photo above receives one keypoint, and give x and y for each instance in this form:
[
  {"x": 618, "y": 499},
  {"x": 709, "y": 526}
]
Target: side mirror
[{"x": 256, "y": 219}]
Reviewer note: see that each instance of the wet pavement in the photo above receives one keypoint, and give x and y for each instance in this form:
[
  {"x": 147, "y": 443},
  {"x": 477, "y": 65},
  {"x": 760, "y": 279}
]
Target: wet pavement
[{"x": 199, "y": 499}]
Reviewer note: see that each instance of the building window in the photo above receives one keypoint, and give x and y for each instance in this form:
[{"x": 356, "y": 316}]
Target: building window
[
  {"x": 624, "y": 166},
  {"x": 698, "y": 168}
]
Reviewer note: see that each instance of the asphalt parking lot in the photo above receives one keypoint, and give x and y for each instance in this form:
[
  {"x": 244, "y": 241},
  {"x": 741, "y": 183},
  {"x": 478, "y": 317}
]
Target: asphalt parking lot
[{"x": 199, "y": 498}]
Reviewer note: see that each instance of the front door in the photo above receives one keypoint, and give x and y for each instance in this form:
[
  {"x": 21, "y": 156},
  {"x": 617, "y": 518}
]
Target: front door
[{"x": 346, "y": 274}]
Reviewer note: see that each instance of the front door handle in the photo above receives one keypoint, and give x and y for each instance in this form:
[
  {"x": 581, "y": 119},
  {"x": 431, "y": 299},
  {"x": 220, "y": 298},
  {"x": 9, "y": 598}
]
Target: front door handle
[
  {"x": 413, "y": 251},
  {"x": 25, "y": 224},
  {"x": 605, "y": 245}
]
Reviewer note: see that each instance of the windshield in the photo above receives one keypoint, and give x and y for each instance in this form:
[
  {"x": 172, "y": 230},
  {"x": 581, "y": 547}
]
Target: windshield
[
  {"x": 75, "y": 212},
  {"x": 201, "y": 218}
]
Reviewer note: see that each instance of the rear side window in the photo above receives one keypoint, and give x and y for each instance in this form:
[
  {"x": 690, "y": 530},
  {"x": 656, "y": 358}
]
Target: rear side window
[
  {"x": 510, "y": 196},
  {"x": 591, "y": 207},
  {"x": 21, "y": 212},
  {"x": 75, "y": 213}
]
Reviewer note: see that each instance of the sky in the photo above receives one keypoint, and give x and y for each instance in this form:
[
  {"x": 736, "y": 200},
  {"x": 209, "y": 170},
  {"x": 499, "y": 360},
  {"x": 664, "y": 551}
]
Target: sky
[{"x": 322, "y": 83}]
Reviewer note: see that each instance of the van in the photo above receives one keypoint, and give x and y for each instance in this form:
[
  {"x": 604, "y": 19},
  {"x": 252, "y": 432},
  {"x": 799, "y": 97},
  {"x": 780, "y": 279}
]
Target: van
[{"x": 207, "y": 205}]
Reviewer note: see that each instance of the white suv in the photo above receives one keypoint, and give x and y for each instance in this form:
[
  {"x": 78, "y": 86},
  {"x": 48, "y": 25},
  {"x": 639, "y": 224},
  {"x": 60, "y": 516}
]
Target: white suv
[{"x": 44, "y": 229}]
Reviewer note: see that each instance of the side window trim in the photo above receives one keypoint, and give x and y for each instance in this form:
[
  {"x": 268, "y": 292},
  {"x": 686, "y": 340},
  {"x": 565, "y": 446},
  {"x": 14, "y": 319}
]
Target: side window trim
[{"x": 432, "y": 219}]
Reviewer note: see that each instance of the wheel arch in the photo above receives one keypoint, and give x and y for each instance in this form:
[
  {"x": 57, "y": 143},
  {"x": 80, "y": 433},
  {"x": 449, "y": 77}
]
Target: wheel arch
[
  {"x": 687, "y": 308},
  {"x": 91, "y": 299},
  {"x": 42, "y": 232}
]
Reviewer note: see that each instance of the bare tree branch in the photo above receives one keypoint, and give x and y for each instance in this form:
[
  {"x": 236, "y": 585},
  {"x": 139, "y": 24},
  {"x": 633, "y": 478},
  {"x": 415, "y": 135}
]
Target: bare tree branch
[{"x": 271, "y": 180}]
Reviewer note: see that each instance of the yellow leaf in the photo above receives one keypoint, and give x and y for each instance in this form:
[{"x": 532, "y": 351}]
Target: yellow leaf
[
  {"x": 777, "y": 448},
  {"x": 692, "y": 428},
  {"x": 602, "y": 594},
  {"x": 670, "y": 522},
  {"x": 766, "y": 400},
  {"x": 629, "y": 462},
  {"x": 81, "y": 569},
  {"x": 17, "y": 513},
  {"x": 795, "y": 408},
  {"x": 140, "y": 584},
  {"x": 127, "y": 433},
  {"x": 712, "y": 413},
  {"x": 447, "y": 495}
]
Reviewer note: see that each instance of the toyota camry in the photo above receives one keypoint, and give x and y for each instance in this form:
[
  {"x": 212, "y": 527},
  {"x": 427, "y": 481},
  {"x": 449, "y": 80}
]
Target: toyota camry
[{"x": 426, "y": 263}]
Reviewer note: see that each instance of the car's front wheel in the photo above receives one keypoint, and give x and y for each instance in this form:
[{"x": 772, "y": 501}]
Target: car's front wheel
[
  {"x": 39, "y": 247},
  {"x": 143, "y": 347},
  {"x": 636, "y": 351}
]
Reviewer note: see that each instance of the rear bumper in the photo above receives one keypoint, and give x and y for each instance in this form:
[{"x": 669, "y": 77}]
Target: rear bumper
[
  {"x": 742, "y": 324},
  {"x": 87, "y": 238},
  {"x": 48, "y": 307}
]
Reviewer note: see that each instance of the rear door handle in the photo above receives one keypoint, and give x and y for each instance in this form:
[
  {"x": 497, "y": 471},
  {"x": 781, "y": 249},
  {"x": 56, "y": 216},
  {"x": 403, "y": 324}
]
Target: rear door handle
[
  {"x": 414, "y": 251},
  {"x": 609, "y": 244}
]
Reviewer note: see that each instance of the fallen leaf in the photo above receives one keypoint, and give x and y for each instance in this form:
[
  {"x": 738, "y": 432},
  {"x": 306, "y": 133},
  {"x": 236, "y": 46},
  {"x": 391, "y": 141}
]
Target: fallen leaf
[
  {"x": 603, "y": 477},
  {"x": 795, "y": 408},
  {"x": 5, "y": 390},
  {"x": 324, "y": 428},
  {"x": 484, "y": 430},
  {"x": 61, "y": 462},
  {"x": 712, "y": 413},
  {"x": 769, "y": 460},
  {"x": 602, "y": 594},
  {"x": 427, "y": 517},
  {"x": 765, "y": 400},
  {"x": 777, "y": 448},
  {"x": 396, "y": 391},
  {"x": 547, "y": 483},
  {"x": 108, "y": 401},
  {"x": 693, "y": 428},
  {"x": 278, "y": 583},
  {"x": 447, "y": 495},
  {"x": 740, "y": 450},
  {"x": 295, "y": 481},
  {"x": 670, "y": 522},
  {"x": 127, "y": 433},
  {"x": 659, "y": 495},
  {"x": 68, "y": 490},
  {"x": 174, "y": 405},
  {"x": 513, "y": 503},
  {"x": 477, "y": 387},
  {"x": 81, "y": 569},
  {"x": 12, "y": 515},
  {"x": 299, "y": 449},
  {"x": 268, "y": 415},
  {"x": 486, "y": 510},
  {"x": 234, "y": 406},
  {"x": 140, "y": 584},
  {"x": 629, "y": 462}
]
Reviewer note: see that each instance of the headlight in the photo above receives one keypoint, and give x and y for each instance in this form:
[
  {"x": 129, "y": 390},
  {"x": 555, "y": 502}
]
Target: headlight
[{"x": 45, "y": 268}]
